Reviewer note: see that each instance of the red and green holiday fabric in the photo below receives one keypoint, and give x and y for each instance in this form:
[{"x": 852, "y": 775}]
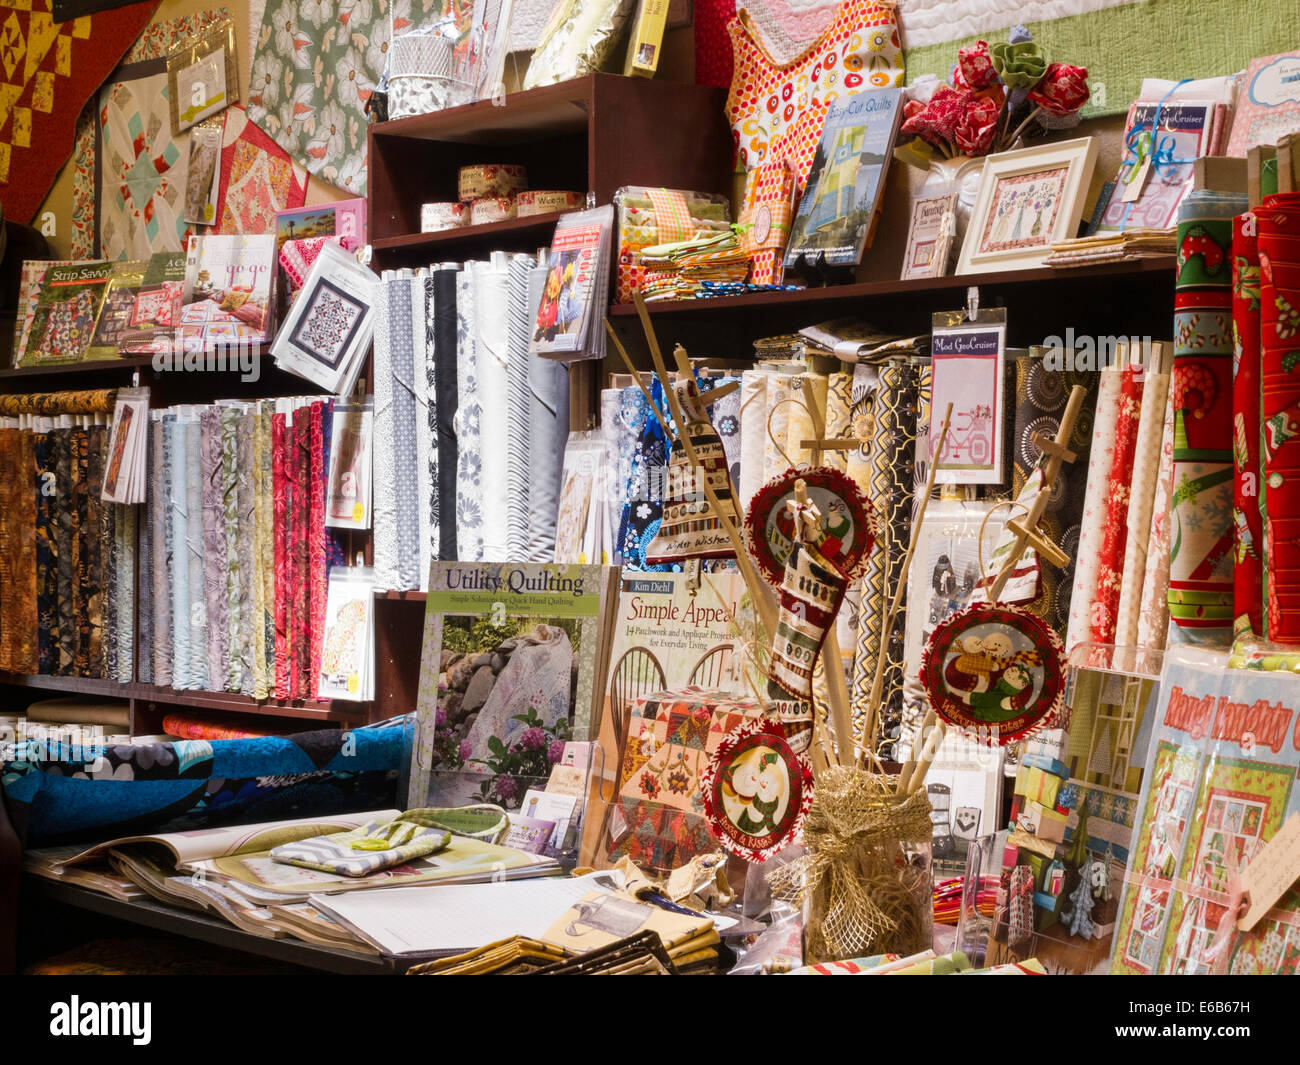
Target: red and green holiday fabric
[
  {"x": 1247, "y": 518},
  {"x": 1201, "y": 388},
  {"x": 810, "y": 532},
  {"x": 1279, "y": 258},
  {"x": 660, "y": 820},
  {"x": 757, "y": 790},
  {"x": 48, "y": 70},
  {"x": 1110, "y": 569},
  {"x": 995, "y": 669}
]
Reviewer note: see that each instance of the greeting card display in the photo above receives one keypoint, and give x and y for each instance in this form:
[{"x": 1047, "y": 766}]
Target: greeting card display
[{"x": 994, "y": 669}]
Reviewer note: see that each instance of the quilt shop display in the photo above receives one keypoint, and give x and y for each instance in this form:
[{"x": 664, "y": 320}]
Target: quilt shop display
[
  {"x": 51, "y": 69},
  {"x": 68, "y": 563},
  {"x": 258, "y": 180}
]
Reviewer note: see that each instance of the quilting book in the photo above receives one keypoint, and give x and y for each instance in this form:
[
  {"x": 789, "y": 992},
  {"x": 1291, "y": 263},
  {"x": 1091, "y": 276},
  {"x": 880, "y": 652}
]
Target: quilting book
[
  {"x": 229, "y": 290},
  {"x": 115, "y": 311},
  {"x": 156, "y": 311},
  {"x": 576, "y": 294},
  {"x": 512, "y": 667},
  {"x": 1220, "y": 782},
  {"x": 1269, "y": 105},
  {"x": 840, "y": 205},
  {"x": 66, "y": 311}
]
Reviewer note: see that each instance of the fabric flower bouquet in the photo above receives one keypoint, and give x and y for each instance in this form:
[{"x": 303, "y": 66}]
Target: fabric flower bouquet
[{"x": 997, "y": 93}]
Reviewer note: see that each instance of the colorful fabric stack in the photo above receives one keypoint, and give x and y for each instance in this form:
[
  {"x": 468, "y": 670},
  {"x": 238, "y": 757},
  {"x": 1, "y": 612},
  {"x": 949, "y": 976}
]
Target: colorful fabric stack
[
  {"x": 1110, "y": 567},
  {"x": 239, "y": 548},
  {"x": 681, "y": 271},
  {"x": 1279, "y": 255},
  {"x": 1200, "y": 563},
  {"x": 651, "y": 222},
  {"x": 66, "y": 557}
]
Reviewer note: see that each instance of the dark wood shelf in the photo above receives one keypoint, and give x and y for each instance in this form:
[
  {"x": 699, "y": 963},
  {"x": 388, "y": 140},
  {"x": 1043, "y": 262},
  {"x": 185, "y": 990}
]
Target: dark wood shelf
[
  {"x": 540, "y": 224},
  {"x": 206, "y": 929},
  {"x": 128, "y": 362},
  {"x": 883, "y": 290},
  {"x": 306, "y": 709},
  {"x": 409, "y": 597}
]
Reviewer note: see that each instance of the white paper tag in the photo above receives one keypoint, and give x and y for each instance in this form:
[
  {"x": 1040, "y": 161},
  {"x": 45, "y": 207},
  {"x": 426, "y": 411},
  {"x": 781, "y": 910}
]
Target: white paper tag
[{"x": 1272, "y": 872}]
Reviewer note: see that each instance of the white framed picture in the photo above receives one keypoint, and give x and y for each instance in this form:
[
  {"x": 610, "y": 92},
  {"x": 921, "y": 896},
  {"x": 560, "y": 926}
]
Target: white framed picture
[{"x": 1028, "y": 200}]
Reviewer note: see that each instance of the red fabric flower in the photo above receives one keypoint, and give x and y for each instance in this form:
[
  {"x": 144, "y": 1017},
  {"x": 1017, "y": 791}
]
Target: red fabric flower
[
  {"x": 1062, "y": 90},
  {"x": 977, "y": 122},
  {"x": 975, "y": 66},
  {"x": 937, "y": 120}
]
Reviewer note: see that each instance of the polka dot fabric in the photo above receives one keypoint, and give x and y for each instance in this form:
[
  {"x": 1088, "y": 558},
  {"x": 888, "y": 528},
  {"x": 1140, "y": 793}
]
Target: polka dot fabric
[{"x": 778, "y": 112}]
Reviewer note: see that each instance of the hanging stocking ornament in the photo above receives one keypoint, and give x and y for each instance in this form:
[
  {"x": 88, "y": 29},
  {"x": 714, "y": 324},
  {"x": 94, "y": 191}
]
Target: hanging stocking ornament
[{"x": 810, "y": 532}]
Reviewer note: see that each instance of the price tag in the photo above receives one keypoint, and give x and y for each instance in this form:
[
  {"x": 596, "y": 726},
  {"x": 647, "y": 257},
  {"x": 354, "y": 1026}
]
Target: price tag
[
  {"x": 1134, "y": 186},
  {"x": 1272, "y": 872}
]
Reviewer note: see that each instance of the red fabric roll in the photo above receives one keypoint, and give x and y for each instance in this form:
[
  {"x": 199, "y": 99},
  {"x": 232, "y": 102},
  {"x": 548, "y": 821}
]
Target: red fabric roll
[
  {"x": 301, "y": 623},
  {"x": 1248, "y": 521},
  {"x": 195, "y": 726},
  {"x": 1110, "y": 571},
  {"x": 279, "y": 492},
  {"x": 1279, "y": 258},
  {"x": 316, "y": 549}
]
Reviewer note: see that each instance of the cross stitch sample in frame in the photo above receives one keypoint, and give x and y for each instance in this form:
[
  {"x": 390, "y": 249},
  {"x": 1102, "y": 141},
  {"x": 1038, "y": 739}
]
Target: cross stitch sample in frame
[{"x": 1028, "y": 200}]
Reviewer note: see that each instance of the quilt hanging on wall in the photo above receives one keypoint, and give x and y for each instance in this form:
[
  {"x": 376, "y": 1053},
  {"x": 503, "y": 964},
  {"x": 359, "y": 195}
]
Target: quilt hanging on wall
[
  {"x": 314, "y": 67},
  {"x": 48, "y": 70},
  {"x": 257, "y": 178},
  {"x": 1119, "y": 41},
  {"x": 157, "y": 40}
]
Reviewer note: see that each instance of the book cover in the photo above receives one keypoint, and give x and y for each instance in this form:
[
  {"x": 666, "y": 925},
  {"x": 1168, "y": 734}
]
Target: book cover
[
  {"x": 347, "y": 503},
  {"x": 343, "y": 218},
  {"x": 566, "y": 317},
  {"x": 1220, "y": 782},
  {"x": 839, "y": 206},
  {"x": 116, "y": 309},
  {"x": 66, "y": 310},
  {"x": 30, "y": 280},
  {"x": 229, "y": 288},
  {"x": 1184, "y": 135},
  {"x": 156, "y": 313},
  {"x": 512, "y": 667},
  {"x": 1269, "y": 105}
]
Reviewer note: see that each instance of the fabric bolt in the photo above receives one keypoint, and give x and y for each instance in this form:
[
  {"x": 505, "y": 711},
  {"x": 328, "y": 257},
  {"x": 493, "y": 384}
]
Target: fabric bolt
[
  {"x": 303, "y": 498},
  {"x": 234, "y": 561},
  {"x": 644, "y": 491},
  {"x": 1040, "y": 399},
  {"x": 214, "y": 545},
  {"x": 445, "y": 382},
  {"x": 46, "y": 577},
  {"x": 195, "y": 554},
  {"x": 250, "y": 446},
  {"x": 127, "y": 538},
  {"x": 753, "y": 433},
  {"x": 317, "y": 574},
  {"x": 1092, "y": 522},
  {"x": 383, "y": 457},
  {"x": 18, "y": 642},
  {"x": 1279, "y": 237},
  {"x": 1200, "y": 563},
  {"x": 725, "y": 415},
  {"x": 1110, "y": 565},
  {"x": 401, "y": 341},
  {"x": 98, "y": 552},
  {"x": 548, "y": 381},
  {"x": 491, "y": 348},
  {"x": 143, "y": 653},
  {"x": 67, "y": 541},
  {"x": 279, "y": 514},
  {"x": 522, "y": 316},
  {"x": 1248, "y": 520},
  {"x": 1153, "y": 619},
  {"x": 426, "y": 424},
  {"x": 178, "y": 502},
  {"x": 789, "y": 420},
  {"x": 76, "y": 401},
  {"x": 469, "y": 491},
  {"x": 266, "y": 540},
  {"x": 1143, "y": 475},
  {"x": 160, "y": 519},
  {"x": 82, "y": 584},
  {"x": 892, "y": 451},
  {"x": 611, "y": 404}
]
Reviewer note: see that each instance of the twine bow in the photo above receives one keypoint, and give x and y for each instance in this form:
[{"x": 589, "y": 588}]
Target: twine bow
[{"x": 855, "y": 820}]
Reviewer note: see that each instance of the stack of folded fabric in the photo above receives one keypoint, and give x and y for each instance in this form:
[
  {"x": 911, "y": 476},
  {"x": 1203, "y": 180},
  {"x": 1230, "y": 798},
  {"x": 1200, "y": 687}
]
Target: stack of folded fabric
[
  {"x": 1122, "y": 246},
  {"x": 678, "y": 270}
]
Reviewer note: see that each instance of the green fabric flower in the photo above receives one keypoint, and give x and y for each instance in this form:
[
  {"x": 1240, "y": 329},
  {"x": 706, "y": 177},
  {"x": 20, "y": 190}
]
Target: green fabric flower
[{"x": 1020, "y": 65}]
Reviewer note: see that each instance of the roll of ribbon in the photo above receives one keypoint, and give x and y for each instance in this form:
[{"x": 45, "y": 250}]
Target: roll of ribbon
[
  {"x": 436, "y": 217},
  {"x": 492, "y": 209},
  {"x": 545, "y": 201},
  {"x": 491, "y": 179}
]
